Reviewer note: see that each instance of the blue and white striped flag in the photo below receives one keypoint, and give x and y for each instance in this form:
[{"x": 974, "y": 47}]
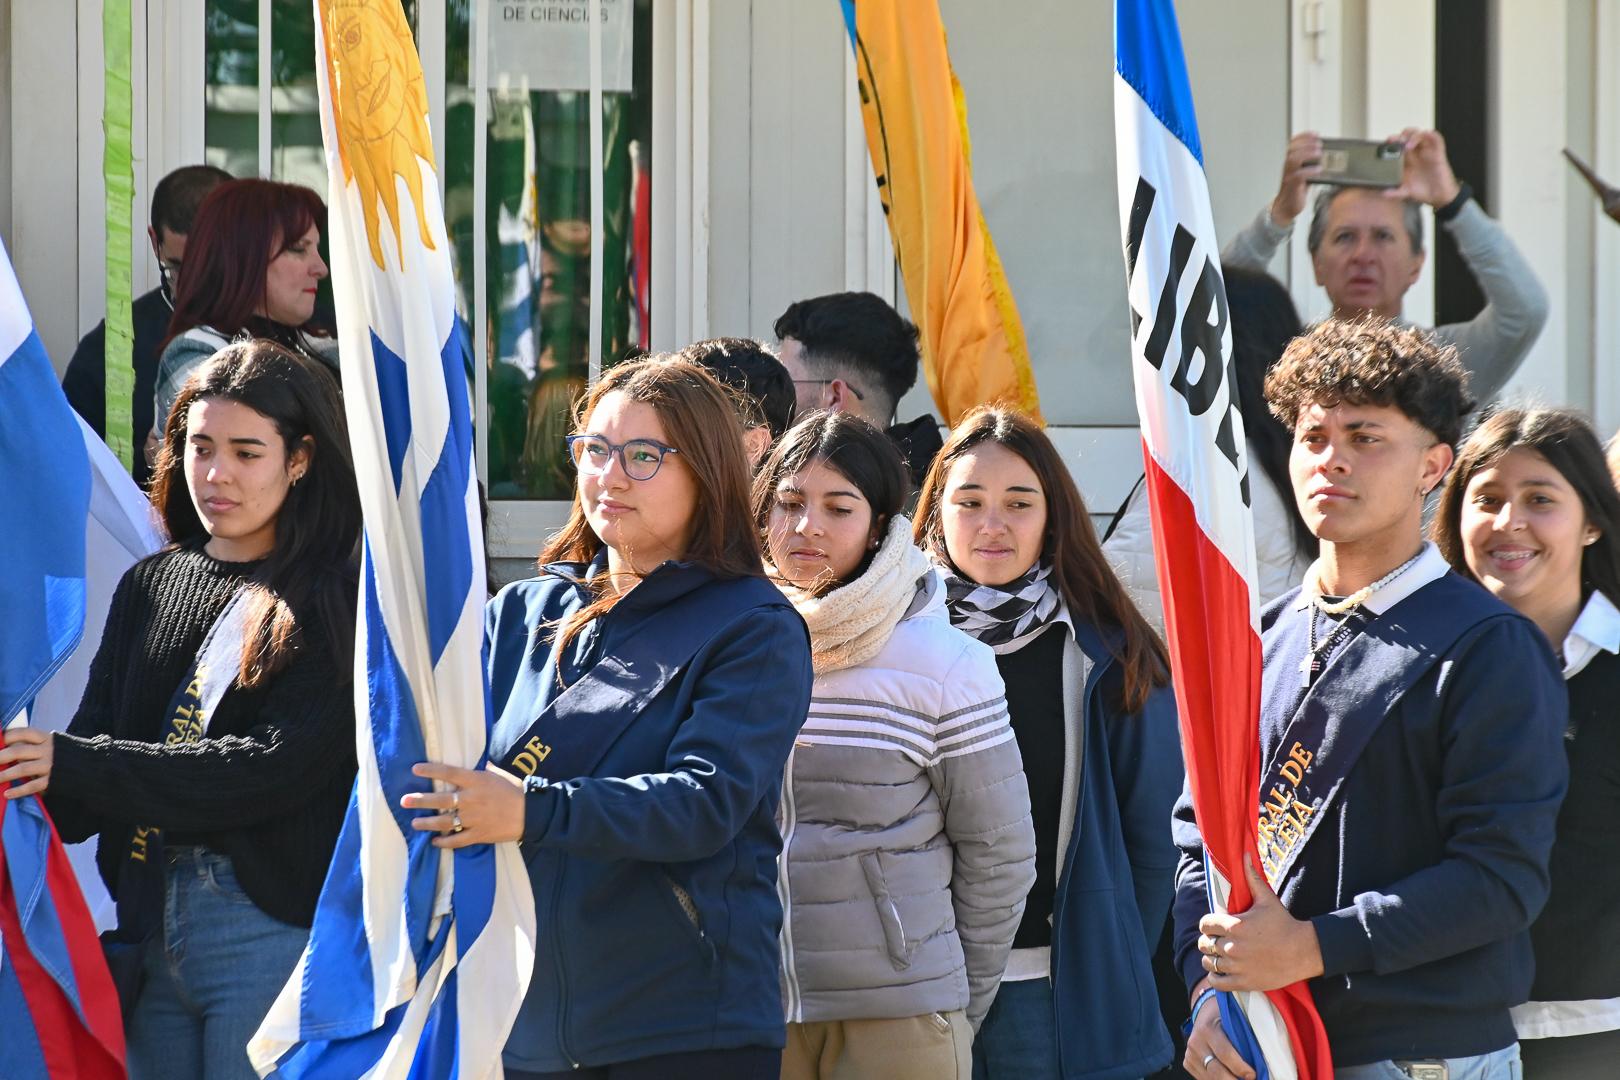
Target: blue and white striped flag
[
  {"x": 58, "y": 1001},
  {"x": 403, "y": 929}
]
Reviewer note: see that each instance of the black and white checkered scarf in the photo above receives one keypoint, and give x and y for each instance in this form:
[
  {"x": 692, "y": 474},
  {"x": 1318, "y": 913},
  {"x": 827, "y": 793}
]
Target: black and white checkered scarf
[{"x": 1004, "y": 616}]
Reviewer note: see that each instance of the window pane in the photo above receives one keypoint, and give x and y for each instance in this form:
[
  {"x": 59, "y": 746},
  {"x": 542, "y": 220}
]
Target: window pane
[
  {"x": 296, "y": 155},
  {"x": 537, "y": 189},
  {"x": 231, "y": 92},
  {"x": 538, "y": 234}
]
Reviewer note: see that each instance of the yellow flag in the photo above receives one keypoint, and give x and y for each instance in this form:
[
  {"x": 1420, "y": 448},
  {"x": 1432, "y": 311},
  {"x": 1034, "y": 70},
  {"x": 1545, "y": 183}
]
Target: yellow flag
[{"x": 916, "y": 130}]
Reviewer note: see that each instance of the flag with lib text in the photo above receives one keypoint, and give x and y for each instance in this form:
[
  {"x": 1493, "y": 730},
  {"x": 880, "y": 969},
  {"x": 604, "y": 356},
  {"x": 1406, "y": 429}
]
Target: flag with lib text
[
  {"x": 915, "y": 116},
  {"x": 419, "y": 957},
  {"x": 60, "y": 1007},
  {"x": 1198, "y": 492}
]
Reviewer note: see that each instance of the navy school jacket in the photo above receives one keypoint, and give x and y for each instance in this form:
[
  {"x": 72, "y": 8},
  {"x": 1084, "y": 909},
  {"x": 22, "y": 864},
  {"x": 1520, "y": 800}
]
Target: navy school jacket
[
  {"x": 1429, "y": 866},
  {"x": 655, "y": 875},
  {"x": 1117, "y": 881}
]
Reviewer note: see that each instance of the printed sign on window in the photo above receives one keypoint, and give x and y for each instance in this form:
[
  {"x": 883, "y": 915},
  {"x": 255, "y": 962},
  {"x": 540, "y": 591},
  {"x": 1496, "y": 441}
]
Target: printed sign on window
[{"x": 548, "y": 43}]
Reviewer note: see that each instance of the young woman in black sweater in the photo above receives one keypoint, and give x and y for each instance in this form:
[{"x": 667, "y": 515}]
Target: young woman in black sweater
[
  {"x": 1530, "y": 512},
  {"x": 213, "y": 752}
]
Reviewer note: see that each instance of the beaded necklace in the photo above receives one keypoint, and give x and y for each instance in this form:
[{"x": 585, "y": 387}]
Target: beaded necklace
[{"x": 1311, "y": 666}]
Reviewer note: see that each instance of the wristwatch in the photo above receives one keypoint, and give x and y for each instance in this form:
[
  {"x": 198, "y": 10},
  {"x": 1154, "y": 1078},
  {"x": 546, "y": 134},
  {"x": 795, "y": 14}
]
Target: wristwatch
[{"x": 1445, "y": 213}]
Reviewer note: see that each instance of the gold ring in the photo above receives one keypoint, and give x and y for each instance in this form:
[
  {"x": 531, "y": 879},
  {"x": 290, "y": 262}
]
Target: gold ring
[
  {"x": 455, "y": 821},
  {"x": 1215, "y": 964}
]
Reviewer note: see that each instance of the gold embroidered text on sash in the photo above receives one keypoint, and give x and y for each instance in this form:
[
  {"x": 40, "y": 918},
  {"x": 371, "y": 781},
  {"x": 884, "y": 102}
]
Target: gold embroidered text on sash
[
  {"x": 1284, "y": 817},
  {"x": 185, "y": 726}
]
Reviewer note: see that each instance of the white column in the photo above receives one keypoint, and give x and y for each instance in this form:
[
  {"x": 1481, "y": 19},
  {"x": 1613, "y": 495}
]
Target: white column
[
  {"x": 479, "y": 46},
  {"x": 1321, "y": 31},
  {"x": 43, "y": 102},
  {"x": 266, "y": 107},
  {"x": 1529, "y": 175},
  {"x": 1605, "y": 406},
  {"x": 868, "y": 254},
  {"x": 92, "y": 209},
  {"x": 680, "y": 173},
  {"x": 1400, "y": 94},
  {"x": 430, "y": 44}
]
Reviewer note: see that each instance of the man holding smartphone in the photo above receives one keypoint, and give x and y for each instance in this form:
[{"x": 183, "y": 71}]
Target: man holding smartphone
[{"x": 1366, "y": 246}]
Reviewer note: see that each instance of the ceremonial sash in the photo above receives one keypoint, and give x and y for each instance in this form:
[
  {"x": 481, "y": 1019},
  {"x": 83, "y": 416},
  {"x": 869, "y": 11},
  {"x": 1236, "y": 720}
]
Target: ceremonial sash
[
  {"x": 1334, "y": 722},
  {"x": 574, "y": 732},
  {"x": 212, "y": 673}
]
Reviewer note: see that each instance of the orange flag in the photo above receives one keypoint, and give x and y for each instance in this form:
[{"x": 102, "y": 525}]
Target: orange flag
[{"x": 916, "y": 130}]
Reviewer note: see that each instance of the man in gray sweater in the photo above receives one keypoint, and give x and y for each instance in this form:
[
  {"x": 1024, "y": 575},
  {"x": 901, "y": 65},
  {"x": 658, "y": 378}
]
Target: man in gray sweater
[{"x": 1366, "y": 246}]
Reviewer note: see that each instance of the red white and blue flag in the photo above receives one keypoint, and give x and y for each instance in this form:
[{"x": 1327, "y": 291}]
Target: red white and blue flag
[
  {"x": 1198, "y": 491},
  {"x": 58, "y": 1008},
  {"x": 419, "y": 957}
]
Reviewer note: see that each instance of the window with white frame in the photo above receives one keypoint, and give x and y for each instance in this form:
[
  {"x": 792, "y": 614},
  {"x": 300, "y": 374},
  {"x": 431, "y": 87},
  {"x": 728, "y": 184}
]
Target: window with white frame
[{"x": 517, "y": 208}]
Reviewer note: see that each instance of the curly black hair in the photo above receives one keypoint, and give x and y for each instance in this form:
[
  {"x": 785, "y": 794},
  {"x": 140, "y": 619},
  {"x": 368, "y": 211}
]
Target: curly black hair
[{"x": 1372, "y": 361}]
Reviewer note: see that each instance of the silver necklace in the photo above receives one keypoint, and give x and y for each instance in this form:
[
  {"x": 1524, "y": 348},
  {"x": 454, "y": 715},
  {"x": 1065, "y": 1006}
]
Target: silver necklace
[{"x": 1317, "y": 652}]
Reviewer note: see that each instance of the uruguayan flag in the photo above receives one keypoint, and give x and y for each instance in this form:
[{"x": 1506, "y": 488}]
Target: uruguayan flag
[
  {"x": 47, "y": 500},
  {"x": 59, "y": 1001},
  {"x": 403, "y": 927},
  {"x": 1197, "y": 480}
]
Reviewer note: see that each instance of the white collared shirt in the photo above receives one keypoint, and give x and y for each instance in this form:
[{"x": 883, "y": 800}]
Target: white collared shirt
[
  {"x": 1430, "y": 566},
  {"x": 1596, "y": 629}
]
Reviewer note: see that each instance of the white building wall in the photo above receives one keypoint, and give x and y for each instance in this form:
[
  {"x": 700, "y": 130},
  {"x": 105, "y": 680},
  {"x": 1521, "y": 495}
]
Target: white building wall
[
  {"x": 41, "y": 98},
  {"x": 783, "y": 213}
]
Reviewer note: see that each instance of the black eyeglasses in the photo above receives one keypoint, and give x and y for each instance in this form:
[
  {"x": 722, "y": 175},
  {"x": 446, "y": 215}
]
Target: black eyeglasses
[
  {"x": 823, "y": 382},
  {"x": 640, "y": 458}
]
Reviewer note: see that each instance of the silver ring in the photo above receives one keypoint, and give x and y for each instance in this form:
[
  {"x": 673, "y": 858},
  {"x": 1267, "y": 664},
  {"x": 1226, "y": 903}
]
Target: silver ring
[
  {"x": 455, "y": 821},
  {"x": 1207, "y": 1059},
  {"x": 455, "y": 799}
]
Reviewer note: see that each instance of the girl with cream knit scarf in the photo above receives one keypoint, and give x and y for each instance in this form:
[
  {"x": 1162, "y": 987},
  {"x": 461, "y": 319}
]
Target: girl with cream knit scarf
[{"x": 907, "y": 843}]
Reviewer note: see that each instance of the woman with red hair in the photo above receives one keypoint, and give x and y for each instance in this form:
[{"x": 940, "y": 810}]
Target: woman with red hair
[{"x": 252, "y": 270}]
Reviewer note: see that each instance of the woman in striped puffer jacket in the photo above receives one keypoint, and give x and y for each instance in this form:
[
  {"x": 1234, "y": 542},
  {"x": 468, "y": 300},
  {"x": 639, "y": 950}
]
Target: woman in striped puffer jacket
[{"x": 907, "y": 842}]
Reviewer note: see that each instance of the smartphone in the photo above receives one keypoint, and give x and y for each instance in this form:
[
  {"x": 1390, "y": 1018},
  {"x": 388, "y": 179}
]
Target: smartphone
[{"x": 1361, "y": 163}]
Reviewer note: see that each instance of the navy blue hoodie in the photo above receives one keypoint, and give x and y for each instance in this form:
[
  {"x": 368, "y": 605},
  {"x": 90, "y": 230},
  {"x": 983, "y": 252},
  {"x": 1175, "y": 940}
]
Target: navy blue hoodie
[{"x": 655, "y": 876}]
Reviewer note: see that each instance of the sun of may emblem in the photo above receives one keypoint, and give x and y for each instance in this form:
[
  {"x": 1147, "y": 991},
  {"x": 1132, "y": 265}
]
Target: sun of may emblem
[{"x": 380, "y": 105}]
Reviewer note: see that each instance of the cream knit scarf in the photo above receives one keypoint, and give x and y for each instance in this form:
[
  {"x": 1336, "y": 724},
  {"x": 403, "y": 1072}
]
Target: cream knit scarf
[{"x": 852, "y": 623}]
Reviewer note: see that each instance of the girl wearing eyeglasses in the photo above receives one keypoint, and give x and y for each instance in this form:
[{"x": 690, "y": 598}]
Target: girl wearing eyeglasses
[{"x": 647, "y": 687}]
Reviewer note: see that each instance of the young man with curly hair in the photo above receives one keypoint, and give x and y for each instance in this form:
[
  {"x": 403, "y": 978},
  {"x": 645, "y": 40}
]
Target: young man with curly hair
[{"x": 1411, "y": 749}]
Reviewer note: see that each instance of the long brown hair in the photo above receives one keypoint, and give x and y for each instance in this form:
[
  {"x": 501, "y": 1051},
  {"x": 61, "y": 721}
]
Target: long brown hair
[
  {"x": 1570, "y": 445},
  {"x": 702, "y": 424},
  {"x": 309, "y": 574},
  {"x": 1080, "y": 572}
]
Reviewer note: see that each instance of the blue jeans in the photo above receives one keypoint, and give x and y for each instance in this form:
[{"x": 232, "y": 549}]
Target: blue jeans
[
  {"x": 211, "y": 975},
  {"x": 1018, "y": 1039},
  {"x": 1500, "y": 1064}
]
